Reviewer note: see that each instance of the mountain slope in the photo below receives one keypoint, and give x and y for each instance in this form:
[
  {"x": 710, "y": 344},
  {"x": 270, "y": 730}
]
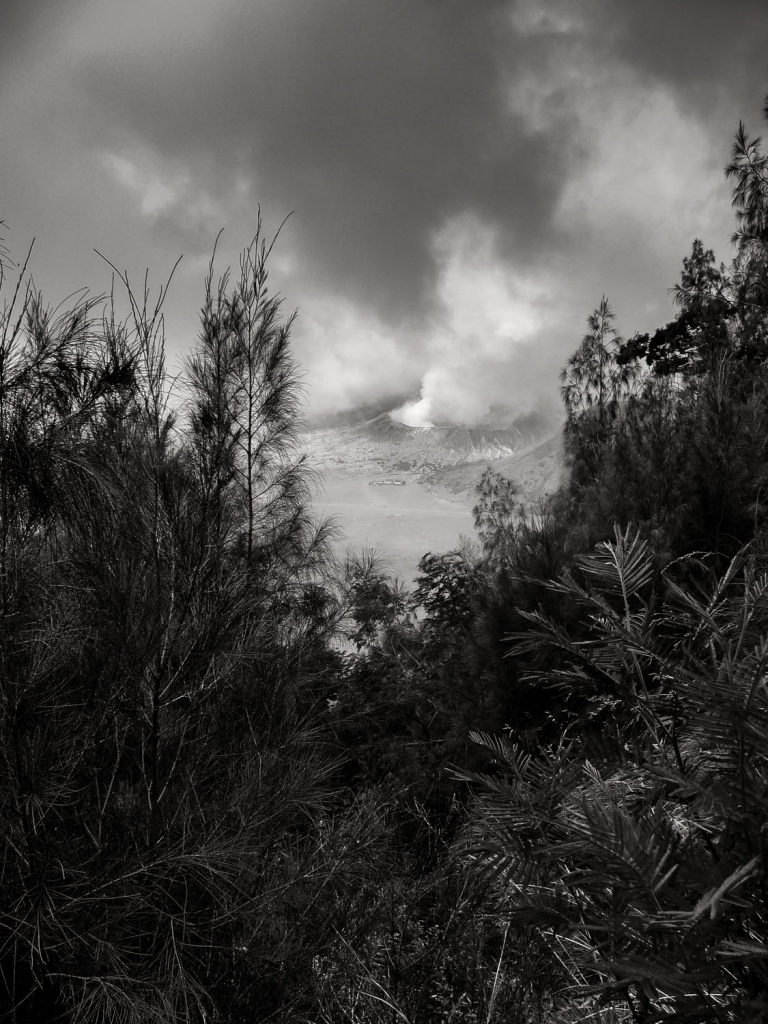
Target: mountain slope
[
  {"x": 537, "y": 469},
  {"x": 384, "y": 445}
]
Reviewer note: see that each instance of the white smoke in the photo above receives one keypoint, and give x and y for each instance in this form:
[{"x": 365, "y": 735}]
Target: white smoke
[
  {"x": 485, "y": 315},
  {"x": 413, "y": 414}
]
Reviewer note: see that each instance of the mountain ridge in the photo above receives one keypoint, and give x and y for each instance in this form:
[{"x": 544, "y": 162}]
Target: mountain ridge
[{"x": 386, "y": 445}]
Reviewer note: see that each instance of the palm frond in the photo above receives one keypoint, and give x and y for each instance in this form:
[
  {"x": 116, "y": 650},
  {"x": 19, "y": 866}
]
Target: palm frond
[{"x": 623, "y": 567}]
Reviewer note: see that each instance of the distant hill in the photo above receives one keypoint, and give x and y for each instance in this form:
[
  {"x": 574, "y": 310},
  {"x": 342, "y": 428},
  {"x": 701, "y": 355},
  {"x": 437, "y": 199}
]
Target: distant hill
[
  {"x": 384, "y": 445},
  {"x": 537, "y": 469}
]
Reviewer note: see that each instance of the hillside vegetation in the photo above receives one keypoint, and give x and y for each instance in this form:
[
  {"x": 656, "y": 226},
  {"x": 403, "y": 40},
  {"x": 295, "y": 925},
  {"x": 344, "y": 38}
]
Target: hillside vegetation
[{"x": 241, "y": 780}]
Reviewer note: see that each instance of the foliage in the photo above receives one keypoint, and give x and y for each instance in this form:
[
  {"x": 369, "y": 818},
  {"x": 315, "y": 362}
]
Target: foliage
[
  {"x": 594, "y": 383},
  {"x": 495, "y": 513},
  {"x": 592, "y": 378},
  {"x": 378, "y": 605},
  {"x": 748, "y": 170},
  {"x": 244, "y": 407},
  {"x": 162, "y": 788},
  {"x": 647, "y": 855},
  {"x": 444, "y": 590}
]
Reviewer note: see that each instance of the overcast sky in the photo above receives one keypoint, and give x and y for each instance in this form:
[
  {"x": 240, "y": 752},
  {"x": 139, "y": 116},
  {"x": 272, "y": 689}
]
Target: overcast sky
[{"x": 467, "y": 177}]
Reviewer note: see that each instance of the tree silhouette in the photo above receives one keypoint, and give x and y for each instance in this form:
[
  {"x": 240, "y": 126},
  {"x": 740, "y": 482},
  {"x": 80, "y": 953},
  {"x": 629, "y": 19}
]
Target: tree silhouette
[
  {"x": 748, "y": 171},
  {"x": 592, "y": 379},
  {"x": 162, "y": 788}
]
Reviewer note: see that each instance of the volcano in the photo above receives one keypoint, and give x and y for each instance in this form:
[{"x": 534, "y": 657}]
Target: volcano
[{"x": 385, "y": 445}]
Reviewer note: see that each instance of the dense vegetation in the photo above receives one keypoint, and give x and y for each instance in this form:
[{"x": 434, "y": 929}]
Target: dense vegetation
[{"x": 242, "y": 781}]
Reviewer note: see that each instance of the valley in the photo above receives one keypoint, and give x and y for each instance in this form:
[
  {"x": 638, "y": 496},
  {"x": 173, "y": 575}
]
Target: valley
[{"x": 403, "y": 491}]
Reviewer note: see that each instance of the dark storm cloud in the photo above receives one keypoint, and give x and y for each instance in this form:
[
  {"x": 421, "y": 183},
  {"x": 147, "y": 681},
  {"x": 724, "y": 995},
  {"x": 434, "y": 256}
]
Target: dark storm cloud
[
  {"x": 26, "y": 23},
  {"x": 18, "y": 20},
  {"x": 374, "y": 121},
  {"x": 711, "y": 53}
]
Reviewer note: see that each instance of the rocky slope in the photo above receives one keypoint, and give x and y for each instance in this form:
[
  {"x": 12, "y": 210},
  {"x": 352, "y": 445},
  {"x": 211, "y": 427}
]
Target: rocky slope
[
  {"x": 537, "y": 469},
  {"x": 384, "y": 445}
]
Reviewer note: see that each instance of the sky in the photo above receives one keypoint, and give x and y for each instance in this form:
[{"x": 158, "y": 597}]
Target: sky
[{"x": 465, "y": 179}]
